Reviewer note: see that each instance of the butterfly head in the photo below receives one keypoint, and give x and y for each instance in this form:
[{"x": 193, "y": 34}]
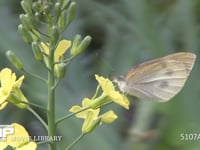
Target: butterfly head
[{"x": 121, "y": 83}]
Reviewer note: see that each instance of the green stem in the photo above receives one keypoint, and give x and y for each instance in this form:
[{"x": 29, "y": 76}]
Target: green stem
[
  {"x": 38, "y": 116},
  {"x": 43, "y": 64},
  {"x": 46, "y": 35},
  {"x": 69, "y": 115},
  {"x": 34, "y": 75},
  {"x": 72, "y": 144},
  {"x": 33, "y": 104},
  {"x": 51, "y": 101},
  {"x": 96, "y": 92},
  {"x": 56, "y": 83}
]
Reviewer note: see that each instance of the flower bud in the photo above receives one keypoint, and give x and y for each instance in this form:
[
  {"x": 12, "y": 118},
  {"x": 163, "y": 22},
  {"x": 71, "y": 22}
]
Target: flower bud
[
  {"x": 14, "y": 60},
  {"x": 37, "y": 6},
  {"x": 60, "y": 70},
  {"x": 75, "y": 44},
  {"x": 99, "y": 101},
  {"x": 71, "y": 13},
  {"x": 17, "y": 98},
  {"x": 46, "y": 7},
  {"x": 35, "y": 35},
  {"x": 84, "y": 44},
  {"x": 89, "y": 125},
  {"x": 54, "y": 34},
  {"x": 57, "y": 8},
  {"x": 65, "y": 4},
  {"x": 62, "y": 21},
  {"x": 27, "y": 21},
  {"x": 26, "y": 5},
  {"x": 24, "y": 33},
  {"x": 37, "y": 51}
]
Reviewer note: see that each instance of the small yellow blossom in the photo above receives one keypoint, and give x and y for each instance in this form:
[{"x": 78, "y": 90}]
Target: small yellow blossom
[
  {"x": 91, "y": 120},
  {"x": 91, "y": 116},
  {"x": 62, "y": 47},
  {"x": 109, "y": 90},
  {"x": 82, "y": 114},
  {"x": 90, "y": 109},
  {"x": 8, "y": 84},
  {"x": 22, "y": 143}
]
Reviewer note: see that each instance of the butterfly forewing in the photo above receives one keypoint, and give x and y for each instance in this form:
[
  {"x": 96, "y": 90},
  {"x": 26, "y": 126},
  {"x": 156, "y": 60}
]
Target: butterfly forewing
[{"x": 160, "y": 79}]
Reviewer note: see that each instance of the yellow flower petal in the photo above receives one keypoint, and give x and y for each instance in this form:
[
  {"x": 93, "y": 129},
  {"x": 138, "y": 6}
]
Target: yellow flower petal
[
  {"x": 85, "y": 102},
  {"x": 3, "y": 105},
  {"x": 105, "y": 84},
  {"x": 19, "y": 140},
  {"x": 109, "y": 90},
  {"x": 119, "y": 99},
  {"x": 18, "y": 83},
  {"x": 83, "y": 114},
  {"x": 90, "y": 120},
  {"x": 61, "y": 49},
  {"x": 3, "y": 98},
  {"x": 8, "y": 86},
  {"x": 74, "y": 108},
  {"x": 77, "y": 108},
  {"x": 45, "y": 48},
  {"x": 108, "y": 117},
  {"x": 19, "y": 131},
  {"x": 3, "y": 145},
  {"x": 7, "y": 83},
  {"x": 7, "y": 80}
]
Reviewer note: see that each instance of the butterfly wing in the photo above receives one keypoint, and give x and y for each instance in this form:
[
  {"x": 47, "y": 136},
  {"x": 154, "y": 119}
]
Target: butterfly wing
[{"x": 160, "y": 79}]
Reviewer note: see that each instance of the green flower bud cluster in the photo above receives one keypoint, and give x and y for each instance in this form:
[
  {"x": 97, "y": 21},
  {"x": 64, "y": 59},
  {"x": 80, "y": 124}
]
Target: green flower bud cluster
[
  {"x": 55, "y": 16},
  {"x": 48, "y": 47}
]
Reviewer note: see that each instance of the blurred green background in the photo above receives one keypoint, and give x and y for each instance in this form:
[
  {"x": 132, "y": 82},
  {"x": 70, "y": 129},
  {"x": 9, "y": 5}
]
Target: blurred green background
[{"x": 125, "y": 33}]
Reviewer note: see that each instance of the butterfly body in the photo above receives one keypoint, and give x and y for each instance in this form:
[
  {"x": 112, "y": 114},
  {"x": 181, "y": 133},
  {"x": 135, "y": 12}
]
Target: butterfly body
[{"x": 159, "y": 79}]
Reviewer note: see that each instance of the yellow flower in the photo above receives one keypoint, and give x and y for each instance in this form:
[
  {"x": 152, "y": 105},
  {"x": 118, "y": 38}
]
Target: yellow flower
[
  {"x": 62, "y": 47},
  {"x": 109, "y": 90},
  {"x": 91, "y": 120},
  {"x": 19, "y": 140},
  {"x": 8, "y": 84},
  {"x": 90, "y": 108},
  {"x": 82, "y": 114},
  {"x": 91, "y": 116}
]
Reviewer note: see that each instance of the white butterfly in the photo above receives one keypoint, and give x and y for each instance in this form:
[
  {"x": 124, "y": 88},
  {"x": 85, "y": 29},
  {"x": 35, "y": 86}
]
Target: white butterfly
[{"x": 159, "y": 79}]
